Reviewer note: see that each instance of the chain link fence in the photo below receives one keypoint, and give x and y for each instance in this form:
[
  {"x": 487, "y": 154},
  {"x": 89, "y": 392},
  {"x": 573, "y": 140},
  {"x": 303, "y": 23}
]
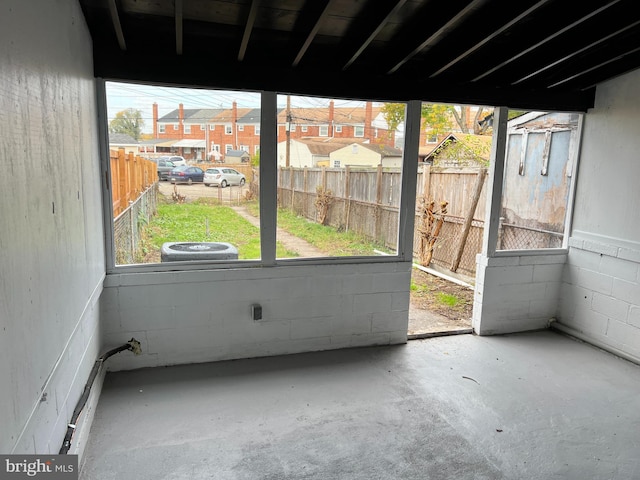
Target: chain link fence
[
  {"x": 518, "y": 237},
  {"x": 127, "y": 226}
]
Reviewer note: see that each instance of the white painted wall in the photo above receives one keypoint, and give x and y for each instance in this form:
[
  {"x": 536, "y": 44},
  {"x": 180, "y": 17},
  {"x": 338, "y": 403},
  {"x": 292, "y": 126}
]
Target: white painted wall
[
  {"x": 516, "y": 293},
  {"x": 299, "y": 155},
  {"x": 51, "y": 237},
  {"x": 199, "y": 316},
  {"x": 600, "y": 298}
]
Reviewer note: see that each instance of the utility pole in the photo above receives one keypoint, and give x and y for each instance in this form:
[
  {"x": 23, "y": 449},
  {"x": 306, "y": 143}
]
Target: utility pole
[{"x": 288, "y": 132}]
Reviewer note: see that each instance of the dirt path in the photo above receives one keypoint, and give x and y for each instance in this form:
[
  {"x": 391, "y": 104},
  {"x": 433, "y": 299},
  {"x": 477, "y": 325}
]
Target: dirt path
[{"x": 291, "y": 242}]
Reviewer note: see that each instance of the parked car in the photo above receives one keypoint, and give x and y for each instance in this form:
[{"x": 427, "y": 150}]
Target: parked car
[
  {"x": 164, "y": 167},
  {"x": 186, "y": 174},
  {"x": 177, "y": 160},
  {"x": 223, "y": 176}
]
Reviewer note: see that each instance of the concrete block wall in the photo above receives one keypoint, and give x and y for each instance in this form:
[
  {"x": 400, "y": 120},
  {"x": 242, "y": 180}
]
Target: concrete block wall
[
  {"x": 201, "y": 316},
  {"x": 600, "y": 295},
  {"x": 516, "y": 293}
]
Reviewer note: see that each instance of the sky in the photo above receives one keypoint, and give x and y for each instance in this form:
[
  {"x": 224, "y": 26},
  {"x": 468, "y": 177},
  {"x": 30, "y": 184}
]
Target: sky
[{"x": 121, "y": 96}]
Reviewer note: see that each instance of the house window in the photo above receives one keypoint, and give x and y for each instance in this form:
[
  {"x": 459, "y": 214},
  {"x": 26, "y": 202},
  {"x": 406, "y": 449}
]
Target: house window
[
  {"x": 257, "y": 129},
  {"x": 176, "y": 126},
  {"x": 245, "y": 148},
  {"x": 187, "y": 128},
  {"x": 432, "y": 138},
  {"x": 256, "y": 149},
  {"x": 228, "y": 129},
  {"x": 358, "y": 131},
  {"x": 240, "y": 127},
  {"x": 338, "y": 128},
  {"x": 324, "y": 130},
  {"x": 212, "y": 126},
  {"x": 215, "y": 147},
  {"x": 293, "y": 127},
  {"x": 203, "y": 127},
  {"x": 161, "y": 128},
  {"x": 336, "y": 164},
  {"x": 304, "y": 128},
  {"x": 228, "y": 147}
]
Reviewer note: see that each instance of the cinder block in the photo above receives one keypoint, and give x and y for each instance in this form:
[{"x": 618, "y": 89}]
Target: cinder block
[
  {"x": 576, "y": 242},
  {"x": 548, "y": 272},
  {"x": 390, "y": 322},
  {"x": 550, "y": 259},
  {"x": 592, "y": 280},
  {"x": 391, "y": 282},
  {"x": 352, "y": 324},
  {"x": 619, "y": 268},
  {"x": 626, "y": 291},
  {"x": 599, "y": 247},
  {"x": 311, "y": 327},
  {"x": 624, "y": 333},
  {"x": 508, "y": 275},
  {"x": 611, "y": 307},
  {"x": 400, "y": 301},
  {"x": 584, "y": 259},
  {"x": 634, "y": 316},
  {"x": 355, "y": 284},
  {"x": 372, "y": 303},
  {"x": 630, "y": 254}
]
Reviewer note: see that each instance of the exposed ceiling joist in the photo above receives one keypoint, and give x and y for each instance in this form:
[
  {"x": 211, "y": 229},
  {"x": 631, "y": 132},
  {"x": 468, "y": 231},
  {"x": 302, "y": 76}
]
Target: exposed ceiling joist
[
  {"x": 496, "y": 33},
  {"x": 251, "y": 19},
  {"x": 436, "y": 35},
  {"x": 117, "y": 27},
  {"x": 179, "y": 35},
  {"x": 393, "y": 11},
  {"x": 545, "y": 40},
  {"x": 312, "y": 32}
]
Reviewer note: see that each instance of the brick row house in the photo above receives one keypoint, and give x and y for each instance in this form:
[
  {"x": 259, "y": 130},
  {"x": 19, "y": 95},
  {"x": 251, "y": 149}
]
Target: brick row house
[{"x": 208, "y": 134}]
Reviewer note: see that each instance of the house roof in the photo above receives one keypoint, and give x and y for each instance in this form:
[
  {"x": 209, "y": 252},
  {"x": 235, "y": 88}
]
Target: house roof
[
  {"x": 122, "y": 139},
  {"x": 527, "y": 54},
  {"x": 323, "y": 146},
  {"x": 383, "y": 150},
  {"x": 236, "y": 153}
]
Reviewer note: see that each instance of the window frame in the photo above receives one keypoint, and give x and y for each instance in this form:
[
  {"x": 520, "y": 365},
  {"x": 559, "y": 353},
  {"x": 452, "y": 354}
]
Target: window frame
[
  {"x": 323, "y": 131},
  {"x": 360, "y": 129},
  {"x": 268, "y": 199},
  {"x": 228, "y": 129}
]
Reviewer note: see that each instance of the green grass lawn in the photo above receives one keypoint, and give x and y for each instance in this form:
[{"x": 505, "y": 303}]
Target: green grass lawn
[
  {"x": 325, "y": 238},
  {"x": 199, "y": 222}
]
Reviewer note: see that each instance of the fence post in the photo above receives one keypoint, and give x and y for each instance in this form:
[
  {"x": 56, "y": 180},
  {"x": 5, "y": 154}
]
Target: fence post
[
  {"x": 426, "y": 181},
  {"x": 376, "y": 212},
  {"x": 347, "y": 197},
  {"x": 122, "y": 168},
  {"x": 477, "y": 190},
  {"x": 305, "y": 196},
  {"x": 291, "y": 185}
]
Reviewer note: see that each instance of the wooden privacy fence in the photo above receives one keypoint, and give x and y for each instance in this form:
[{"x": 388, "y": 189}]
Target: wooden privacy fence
[
  {"x": 130, "y": 176},
  {"x": 367, "y": 201}
]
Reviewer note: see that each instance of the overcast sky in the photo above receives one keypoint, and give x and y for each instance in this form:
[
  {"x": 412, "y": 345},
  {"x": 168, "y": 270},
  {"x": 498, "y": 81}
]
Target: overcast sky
[{"x": 121, "y": 96}]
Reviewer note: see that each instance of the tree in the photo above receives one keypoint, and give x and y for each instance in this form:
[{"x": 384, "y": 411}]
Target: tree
[
  {"x": 438, "y": 118},
  {"x": 128, "y": 121}
]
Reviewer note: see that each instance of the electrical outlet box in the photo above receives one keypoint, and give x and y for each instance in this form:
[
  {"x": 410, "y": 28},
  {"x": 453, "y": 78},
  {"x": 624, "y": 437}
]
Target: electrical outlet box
[{"x": 256, "y": 312}]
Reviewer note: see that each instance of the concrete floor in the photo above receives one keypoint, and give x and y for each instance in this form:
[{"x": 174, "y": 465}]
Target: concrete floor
[{"x": 529, "y": 406}]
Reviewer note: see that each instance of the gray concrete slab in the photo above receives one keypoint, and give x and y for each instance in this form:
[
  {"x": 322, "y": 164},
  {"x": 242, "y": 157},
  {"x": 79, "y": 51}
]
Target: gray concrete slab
[{"x": 529, "y": 406}]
